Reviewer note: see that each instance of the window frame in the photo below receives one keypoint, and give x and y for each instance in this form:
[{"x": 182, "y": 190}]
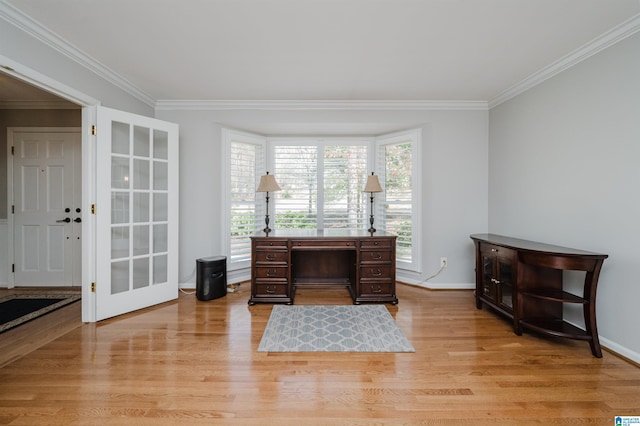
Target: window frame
[
  {"x": 415, "y": 136},
  {"x": 230, "y": 136},
  {"x": 374, "y": 163}
]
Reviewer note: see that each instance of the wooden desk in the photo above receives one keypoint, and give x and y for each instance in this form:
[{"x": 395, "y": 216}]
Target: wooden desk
[
  {"x": 523, "y": 280},
  {"x": 283, "y": 261}
]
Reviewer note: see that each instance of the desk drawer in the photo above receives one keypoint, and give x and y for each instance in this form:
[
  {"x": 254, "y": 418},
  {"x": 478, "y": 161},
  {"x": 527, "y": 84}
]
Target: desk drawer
[
  {"x": 322, "y": 244},
  {"x": 277, "y": 244},
  {"x": 271, "y": 289},
  {"x": 376, "y": 288},
  {"x": 375, "y": 271},
  {"x": 272, "y": 272},
  {"x": 272, "y": 256},
  {"x": 375, "y": 243},
  {"x": 375, "y": 256}
]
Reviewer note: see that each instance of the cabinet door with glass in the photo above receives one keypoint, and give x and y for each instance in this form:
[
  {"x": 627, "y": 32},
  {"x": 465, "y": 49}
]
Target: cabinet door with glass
[{"x": 498, "y": 276}]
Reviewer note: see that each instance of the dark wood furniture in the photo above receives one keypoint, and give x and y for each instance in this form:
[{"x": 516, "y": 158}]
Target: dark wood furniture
[
  {"x": 523, "y": 280},
  {"x": 283, "y": 261}
]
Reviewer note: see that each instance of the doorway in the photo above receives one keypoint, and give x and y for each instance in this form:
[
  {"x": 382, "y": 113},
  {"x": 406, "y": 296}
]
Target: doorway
[
  {"x": 45, "y": 195},
  {"x": 98, "y": 194}
]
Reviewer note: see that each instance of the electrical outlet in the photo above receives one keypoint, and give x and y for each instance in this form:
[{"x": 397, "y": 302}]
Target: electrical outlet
[{"x": 443, "y": 262}]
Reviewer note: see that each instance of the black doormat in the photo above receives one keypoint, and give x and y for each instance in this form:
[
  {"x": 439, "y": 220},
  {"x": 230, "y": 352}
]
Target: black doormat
[{"x": 18, "y": 308}]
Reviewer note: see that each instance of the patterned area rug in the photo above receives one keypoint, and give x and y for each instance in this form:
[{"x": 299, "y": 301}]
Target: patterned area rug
[
  {"x": 345, "y": 328},
  {"x": 18, "y": 308}
]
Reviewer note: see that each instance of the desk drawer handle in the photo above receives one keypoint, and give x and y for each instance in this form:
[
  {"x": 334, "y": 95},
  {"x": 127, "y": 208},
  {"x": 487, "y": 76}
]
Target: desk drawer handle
[
  {"x": 270, "y": 289},
  {"x": 271, "y": 256},
  {"x": 376, "y": 272},
  {"x": 494, "y": 250},
  {"x": 374, "y": 290},
  {"x": 272, "y": 272},
  {"x": 376, "y": 255}
]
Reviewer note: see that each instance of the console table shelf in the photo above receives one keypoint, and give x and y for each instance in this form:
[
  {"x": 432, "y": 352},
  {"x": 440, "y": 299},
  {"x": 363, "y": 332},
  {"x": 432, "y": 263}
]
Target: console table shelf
[
  {"x": 557, "y": 328},
  {"x": 523, "y": 280},
  {"x": 556, "y": 296}
]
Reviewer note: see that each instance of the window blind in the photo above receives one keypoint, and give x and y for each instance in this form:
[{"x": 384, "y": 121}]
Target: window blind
[{"x": 246, "y": 208}]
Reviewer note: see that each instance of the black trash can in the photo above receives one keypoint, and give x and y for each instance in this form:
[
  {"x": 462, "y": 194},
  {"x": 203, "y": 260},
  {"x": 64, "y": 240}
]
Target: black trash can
[{"x": 211, "y": 277}]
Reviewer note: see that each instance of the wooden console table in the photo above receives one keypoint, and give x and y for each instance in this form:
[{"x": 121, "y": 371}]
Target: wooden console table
[
  {"x": 283, "y": 261},
  {"x": 523, "y": 280}
]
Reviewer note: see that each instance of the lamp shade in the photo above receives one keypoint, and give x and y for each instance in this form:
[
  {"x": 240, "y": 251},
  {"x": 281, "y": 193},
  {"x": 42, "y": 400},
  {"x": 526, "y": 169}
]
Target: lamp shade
[
  {"x": 373, "y": 184},
  {"x": 268, "y": 184}
]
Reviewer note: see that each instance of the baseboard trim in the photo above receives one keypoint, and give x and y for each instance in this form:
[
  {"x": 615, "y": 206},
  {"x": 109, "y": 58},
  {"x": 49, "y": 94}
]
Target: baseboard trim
[
  {"x": 439, "y": 286},
  {"x": 428, "y": 286},
  {"x": 620, "y": 351}
]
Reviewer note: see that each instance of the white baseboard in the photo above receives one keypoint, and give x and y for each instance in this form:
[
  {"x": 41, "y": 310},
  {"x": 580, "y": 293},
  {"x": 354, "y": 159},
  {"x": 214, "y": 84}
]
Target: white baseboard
[
  {"x": 612, "y": 346},
  {"x": 620, "y": 350},
  {"x": 233, "y": 277},
  {"x": 439, "y": 286},
  {"x": 243, "y": 275}
]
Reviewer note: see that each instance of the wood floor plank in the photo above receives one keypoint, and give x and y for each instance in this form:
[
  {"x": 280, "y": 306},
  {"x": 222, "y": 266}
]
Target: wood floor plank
[{"x": 193, "y": 362}]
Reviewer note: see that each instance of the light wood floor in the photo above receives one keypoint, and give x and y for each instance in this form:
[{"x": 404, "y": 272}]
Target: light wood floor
[{"x": 190, "y": 362}]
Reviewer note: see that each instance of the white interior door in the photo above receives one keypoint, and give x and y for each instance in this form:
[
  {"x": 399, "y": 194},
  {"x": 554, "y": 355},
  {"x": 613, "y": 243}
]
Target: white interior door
[
  {"x": 46, "y": 206},
  {"x": 137, "y": 212}
]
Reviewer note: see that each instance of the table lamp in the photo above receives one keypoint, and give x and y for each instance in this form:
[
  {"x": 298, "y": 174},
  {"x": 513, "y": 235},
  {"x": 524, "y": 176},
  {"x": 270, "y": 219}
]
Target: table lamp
[
  {"x": 267, "y": 184},
  {"x": 372, "y": 185}
]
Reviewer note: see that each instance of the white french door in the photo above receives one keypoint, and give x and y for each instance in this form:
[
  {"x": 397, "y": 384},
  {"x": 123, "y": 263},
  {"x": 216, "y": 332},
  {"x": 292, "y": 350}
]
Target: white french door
[
  {"x": 46, "y": 206},
  {"x": 136, "y": 212}
]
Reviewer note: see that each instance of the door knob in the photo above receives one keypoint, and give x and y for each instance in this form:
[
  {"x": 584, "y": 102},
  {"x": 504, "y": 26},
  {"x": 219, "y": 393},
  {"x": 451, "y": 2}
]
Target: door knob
[
  {"x": 77, "y": 220},
  {"x": 67, "y": 210},
  {"x": 65, "y": 220},
  {"x": 78, "y": 210}
]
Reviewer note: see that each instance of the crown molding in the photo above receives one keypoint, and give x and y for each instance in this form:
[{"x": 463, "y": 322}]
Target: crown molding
[
  {"x": 318, "y": 105},
  {"x": 608, "y": 39},
  {"x": 30, "y": 26},
  {"x": 35, "y": 29}
]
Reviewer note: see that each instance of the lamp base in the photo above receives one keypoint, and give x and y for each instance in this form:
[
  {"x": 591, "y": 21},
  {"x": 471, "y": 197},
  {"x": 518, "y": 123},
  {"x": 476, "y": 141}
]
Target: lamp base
[
  {"x": 371, "y": 228},
  {"x": 266, "y": 220}
]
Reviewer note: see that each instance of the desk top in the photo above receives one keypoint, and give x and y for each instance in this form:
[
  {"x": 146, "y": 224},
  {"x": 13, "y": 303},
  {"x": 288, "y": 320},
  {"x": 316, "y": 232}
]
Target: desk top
[{"x": 323, "y": 233}]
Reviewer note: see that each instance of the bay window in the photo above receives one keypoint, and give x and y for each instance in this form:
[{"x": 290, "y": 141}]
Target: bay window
[{"x": 322, "y": 181}]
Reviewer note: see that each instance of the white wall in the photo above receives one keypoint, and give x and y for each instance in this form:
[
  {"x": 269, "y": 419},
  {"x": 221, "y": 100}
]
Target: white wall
[
  {"x": 564, "y": 168},
  {"x": 454, "y": 172},
  {"x": 24, "y": 49},
  {"x": 24, "y": 53}
]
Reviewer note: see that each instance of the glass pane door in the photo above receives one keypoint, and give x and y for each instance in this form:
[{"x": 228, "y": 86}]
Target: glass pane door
[
  {"x": 506, "y": 283},
  {"x": 140, "y": 225},
  {"x": 488, "y": 281}
]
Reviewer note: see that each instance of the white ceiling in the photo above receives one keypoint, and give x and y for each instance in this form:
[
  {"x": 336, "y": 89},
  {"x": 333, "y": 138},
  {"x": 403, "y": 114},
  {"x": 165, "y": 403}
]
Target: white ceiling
[{"x": 338, "y": 50}]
